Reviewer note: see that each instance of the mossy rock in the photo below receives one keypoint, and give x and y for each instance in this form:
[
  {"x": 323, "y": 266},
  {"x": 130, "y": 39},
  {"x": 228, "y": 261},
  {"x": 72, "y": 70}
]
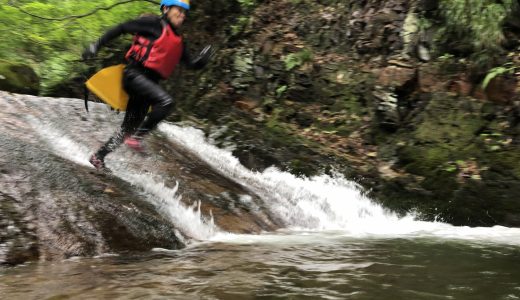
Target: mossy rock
[
  {"x": 489, "y": 202},
  {"x": 18, "y": 78}
]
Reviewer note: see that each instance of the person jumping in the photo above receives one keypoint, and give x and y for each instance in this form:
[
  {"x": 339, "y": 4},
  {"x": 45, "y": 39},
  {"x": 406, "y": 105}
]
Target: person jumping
[{"x": 156, "y": 50}]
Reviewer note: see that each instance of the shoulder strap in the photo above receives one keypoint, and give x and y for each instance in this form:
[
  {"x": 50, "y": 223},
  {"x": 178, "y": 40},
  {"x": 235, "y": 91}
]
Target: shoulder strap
[{"x": 150, "y": 44}]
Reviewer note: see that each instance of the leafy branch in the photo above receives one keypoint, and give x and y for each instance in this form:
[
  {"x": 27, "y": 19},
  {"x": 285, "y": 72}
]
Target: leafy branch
[
  {"x": 13, "y": 4},
  {"x": 294, "y": 60},
  {"x": 505, "y": 69}
]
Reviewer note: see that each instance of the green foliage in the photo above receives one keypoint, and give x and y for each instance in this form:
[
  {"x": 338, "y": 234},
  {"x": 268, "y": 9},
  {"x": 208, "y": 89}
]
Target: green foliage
[
  {"x": 505, "y": 69},
  {"x": 294, "y": 60},
  {"x": 240, "y": 26},
  {"x": 55, "y": 69},
  {"x": 450, "y": 168},
  {"x": 53, "y": 47},
  {"x": 246, "y": 4},
  {"x": 280, "y": 90},
  {"x": 480, "y": 21},
  {"x": 445, "y": 57},
  {"x": 495, "y": 141},
  {"x": 242, "y": 22}
]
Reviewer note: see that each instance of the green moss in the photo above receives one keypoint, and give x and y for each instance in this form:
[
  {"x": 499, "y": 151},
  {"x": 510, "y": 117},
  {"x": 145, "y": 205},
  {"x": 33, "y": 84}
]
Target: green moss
[
  {"x": 347, "y": 102},
  {"x": 508, "y": 160},
  {"x": 448, "y": 125},
  {"x": 425, "y": 160},
  {"x": 301, "y": 167},
  {"x": 479, "y": 22},
  {"x": 444, "y": 184},
  {"x": 446, "y": 132}
]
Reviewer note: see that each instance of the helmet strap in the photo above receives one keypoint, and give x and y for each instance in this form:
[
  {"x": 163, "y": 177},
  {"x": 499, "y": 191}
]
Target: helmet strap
[{"x": 163, "y": 11}]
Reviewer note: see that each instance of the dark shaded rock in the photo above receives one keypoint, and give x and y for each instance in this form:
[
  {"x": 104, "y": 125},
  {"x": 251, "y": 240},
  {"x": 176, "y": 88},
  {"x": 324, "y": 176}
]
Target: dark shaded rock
[
  {"x": 428, "y": 5},
  {"x": 255, "y": 158},
  {"x": 304, "y": 119},
  {"x": 301, "y": 94},
  {"x": 501, "y": 89},
  {"x": 487, "y": 202},
  {"x": 18, "y": 78},
  {"x": 73, "y": 88}
]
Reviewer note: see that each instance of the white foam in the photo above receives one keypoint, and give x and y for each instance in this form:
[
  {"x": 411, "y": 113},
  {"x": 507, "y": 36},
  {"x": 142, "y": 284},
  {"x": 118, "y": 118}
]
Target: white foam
[
  {"x": 324, "y": 203},
  {"x": 189, "y": 220},
  {"x": 317, "y": 203}
]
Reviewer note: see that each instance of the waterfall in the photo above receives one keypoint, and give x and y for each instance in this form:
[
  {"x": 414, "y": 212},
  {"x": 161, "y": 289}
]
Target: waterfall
[
  {"x": 320, "y": 203},
  {"x": 325, "y": 203}
]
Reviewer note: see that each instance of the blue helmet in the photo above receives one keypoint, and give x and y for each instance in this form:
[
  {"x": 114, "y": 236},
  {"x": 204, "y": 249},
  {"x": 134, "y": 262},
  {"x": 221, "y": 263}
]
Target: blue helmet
[{"x": 181, "y": 3}]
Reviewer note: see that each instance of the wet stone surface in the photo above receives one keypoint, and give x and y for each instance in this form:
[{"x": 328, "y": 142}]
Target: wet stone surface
[{"x": 54, "y": 205}]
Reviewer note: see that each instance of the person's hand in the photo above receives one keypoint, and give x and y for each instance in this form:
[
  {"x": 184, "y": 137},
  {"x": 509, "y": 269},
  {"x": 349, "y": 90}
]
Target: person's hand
[{"x": 90, "y": 51}]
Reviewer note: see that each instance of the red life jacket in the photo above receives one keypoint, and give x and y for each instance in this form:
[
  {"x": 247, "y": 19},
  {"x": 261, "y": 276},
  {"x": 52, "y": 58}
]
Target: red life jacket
[{"x": 161, "y": 55}]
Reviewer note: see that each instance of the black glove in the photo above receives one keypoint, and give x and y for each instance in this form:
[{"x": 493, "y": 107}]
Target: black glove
[
  {"x": 90, "y": 51},
  {"x": 204, "y": 57}
]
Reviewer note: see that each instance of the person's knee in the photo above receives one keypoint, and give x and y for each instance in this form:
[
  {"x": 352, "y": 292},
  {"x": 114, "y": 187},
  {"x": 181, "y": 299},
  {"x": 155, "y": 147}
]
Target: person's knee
[
  {"x": 165, "y": 110},
  {"x": 162, "y": 109},
  {"x": 166, "y": 100},
  {"x": 165, "y": 103}
]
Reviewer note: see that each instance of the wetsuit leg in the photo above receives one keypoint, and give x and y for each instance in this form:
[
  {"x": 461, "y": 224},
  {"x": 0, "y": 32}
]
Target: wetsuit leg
[
  {"x": 160, "y": 101},
  {"x": 134, "y": 116}
]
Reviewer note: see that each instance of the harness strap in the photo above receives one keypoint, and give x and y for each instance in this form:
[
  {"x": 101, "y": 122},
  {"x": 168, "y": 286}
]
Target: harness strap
[{"x": 150, "y": 43}]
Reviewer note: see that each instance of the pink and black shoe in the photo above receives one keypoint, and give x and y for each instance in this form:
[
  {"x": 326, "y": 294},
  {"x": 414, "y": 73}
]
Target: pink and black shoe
[
  {"x": 134, "y": 143},
  {"x": 98, "y": 163}
]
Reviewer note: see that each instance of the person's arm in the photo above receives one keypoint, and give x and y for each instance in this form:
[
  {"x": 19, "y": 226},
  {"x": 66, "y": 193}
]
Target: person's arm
[
  {"x": 198, "y": 62},
  {"x": 149, "y": 26}
]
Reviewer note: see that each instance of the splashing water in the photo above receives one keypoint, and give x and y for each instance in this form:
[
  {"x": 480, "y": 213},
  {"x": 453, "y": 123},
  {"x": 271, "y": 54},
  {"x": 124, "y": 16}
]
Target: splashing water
[
  {"x": 324, "y": 202},
  {"x": 188, "y": 219}
]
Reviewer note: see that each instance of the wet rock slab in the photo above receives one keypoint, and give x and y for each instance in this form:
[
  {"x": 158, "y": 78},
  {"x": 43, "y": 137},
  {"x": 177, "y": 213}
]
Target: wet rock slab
[{"x": 53, "y": 207}]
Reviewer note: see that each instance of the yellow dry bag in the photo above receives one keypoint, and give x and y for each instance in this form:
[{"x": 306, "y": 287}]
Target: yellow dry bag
[{"x": 107, "y": 84}]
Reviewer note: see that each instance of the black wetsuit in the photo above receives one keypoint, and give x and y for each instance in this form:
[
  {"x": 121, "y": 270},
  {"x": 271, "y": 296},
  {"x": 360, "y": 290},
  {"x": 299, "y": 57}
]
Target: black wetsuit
[{"x": 141, "y": 84}]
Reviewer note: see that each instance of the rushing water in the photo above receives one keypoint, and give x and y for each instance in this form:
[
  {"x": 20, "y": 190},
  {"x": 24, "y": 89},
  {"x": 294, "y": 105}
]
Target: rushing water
[
  {"x": 325, "y": 265},
  {"x": 337, "y": 244}
]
